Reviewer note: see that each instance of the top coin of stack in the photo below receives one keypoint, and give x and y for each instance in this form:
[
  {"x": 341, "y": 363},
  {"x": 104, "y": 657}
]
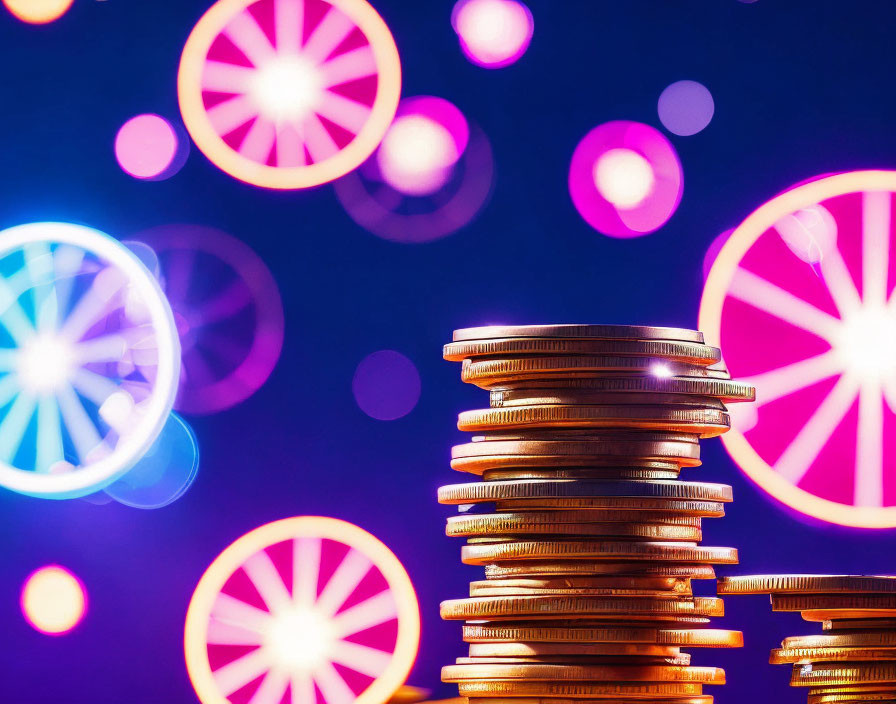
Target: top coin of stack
[
  {"x": 588, "y": 537},
  {"x": 855, "y": 659}
]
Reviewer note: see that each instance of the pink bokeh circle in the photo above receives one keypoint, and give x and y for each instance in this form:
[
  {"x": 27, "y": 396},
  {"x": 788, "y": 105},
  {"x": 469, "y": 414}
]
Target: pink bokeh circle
[
  {"x": 422, "y": 145},
  {"x": 625, "y": 179},
  {"x": 492, "y": 33},
  {"x": 146, "y": 147},
  {"x": 801, "y": 300}
]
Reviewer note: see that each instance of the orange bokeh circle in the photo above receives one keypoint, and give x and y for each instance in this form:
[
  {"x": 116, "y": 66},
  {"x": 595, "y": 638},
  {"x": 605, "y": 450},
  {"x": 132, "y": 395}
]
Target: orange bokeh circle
[
  {"x": 245, "y": 553},
  {"x": 382, "y": 62}
]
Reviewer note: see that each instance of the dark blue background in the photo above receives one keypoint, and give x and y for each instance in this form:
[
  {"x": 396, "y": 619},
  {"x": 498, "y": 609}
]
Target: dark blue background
[{"x": 801, "y": 87}]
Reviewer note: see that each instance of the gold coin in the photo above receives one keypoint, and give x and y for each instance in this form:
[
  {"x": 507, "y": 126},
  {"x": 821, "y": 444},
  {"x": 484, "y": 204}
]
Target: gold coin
[
  {"x": 669, "y": 471},
  {"x": 539, "y": 523},
  {"x": 853, "y": 624},
  {"x": 585, "y": 332},
  {"x": 678, "y": 659},
  {"x": 491, "y": 452},
  {"x": 821, "y": 674},
  {"x": 704, "y": 509},
  {"x": 408, "y": 695},
  {"x": 576, "y": 649},
  {"x": 672, "y": 585},
  {"x": 695, "y": 353},
  {"x": 604, "y": 699},
  {"x": 846, "y": 602},
  {"x": 588, "y": 690},
  {"x": 806, "y": 584},
  {"x": 664, "y": 489},
  {"x": 888, "y": 697},
  {"x": 540, "y": 633},
  {"x": 590, "y": 550},
  {"x": 584, "y": 516},
  {"x": 607, "y": 374},
  {"x": 554, "y": 396},
  {"x": 781, "y": 656},
  {"x": 706, "y": 423},
  {"x": 495, "y": 587},
  {"x": 539, "y": 607},
  {"x": 591, "y": 568},
  {"x": 823, "y": 615},
  {"x": 851, "y": 689},
  {"x": 868, "y": 639},
  {"x": 592, "y": 673}
]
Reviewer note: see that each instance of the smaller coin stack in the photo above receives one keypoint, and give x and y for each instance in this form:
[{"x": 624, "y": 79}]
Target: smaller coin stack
[
  {"x": 588, "y": 537},
  {"x": 855, "y": 659}
]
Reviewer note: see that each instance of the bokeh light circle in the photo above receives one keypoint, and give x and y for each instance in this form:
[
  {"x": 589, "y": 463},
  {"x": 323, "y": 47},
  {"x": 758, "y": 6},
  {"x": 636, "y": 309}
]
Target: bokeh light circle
[
  {"x": 801, "y": 301},
  {"x": 53, "y": 600},
  {"x": 492, "y": 33},
  {"x": 228, "y": 313},
  {"x": 164, "y": 473},
  {"x": 386, "y": 385},
  {"x": 403, "y": 196},
  {"x": 625, "y": 179},
  {"x": 75, "y": 302},
  {"x": 422, "y": 145},
  {"x": 685, "y": 107},
  {"x": 146, "y": 147},
  {"x": 38, "y": 11},
  {"x": 289, "y": 93},
  {"x": 309, "y": 603}
]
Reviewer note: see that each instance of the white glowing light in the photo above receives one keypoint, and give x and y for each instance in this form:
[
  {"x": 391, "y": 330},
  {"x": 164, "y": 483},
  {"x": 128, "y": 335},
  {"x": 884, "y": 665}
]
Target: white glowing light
[
  {"x": 623, "y": 177},
  {"x": 415, "y": 154},
  {"x": 53, "y": 600},
  {"x": 287, "y": 89},
  {"x": 300, "y": 639},
  {"x": 494, "y": 32},
  {"x": 661, "y": 370},
  {"x": 45, "y": 363},
  {"x": 866, "y": 344}
]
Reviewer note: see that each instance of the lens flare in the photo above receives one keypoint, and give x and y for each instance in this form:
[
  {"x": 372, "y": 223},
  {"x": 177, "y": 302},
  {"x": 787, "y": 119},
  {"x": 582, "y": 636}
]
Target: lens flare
[
  {"x": 53, "y": 600},
  {"x": 38, "y": 11},
  {"x": 492, "y": 33},
  {"x": 625, "y": 179}
]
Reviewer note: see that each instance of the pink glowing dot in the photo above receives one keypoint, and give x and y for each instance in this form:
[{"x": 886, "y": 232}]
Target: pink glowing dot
[
  {"x": 386, "y": 385},
  {"x": 422, "y": 145},
  {"x": 685, "y": 107},
  {"x": 492, "y": 33},
  {"x": 625, "y": 179},
  {"x": 713, "y": 251},
  {"x": 146, "y": 146},
  {"x": 53, "y": 600}
]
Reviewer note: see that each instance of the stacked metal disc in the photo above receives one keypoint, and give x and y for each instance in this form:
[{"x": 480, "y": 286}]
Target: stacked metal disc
[
  {"x": 588, "y": 536},
  {"x": 854, "y": 660}
]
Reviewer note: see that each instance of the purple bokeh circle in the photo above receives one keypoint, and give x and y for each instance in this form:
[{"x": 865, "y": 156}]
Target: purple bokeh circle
[
  {"x": 685, "y": 108},
  {"x": 386, "y": 385},
  {"x": 646, "y": 144}
]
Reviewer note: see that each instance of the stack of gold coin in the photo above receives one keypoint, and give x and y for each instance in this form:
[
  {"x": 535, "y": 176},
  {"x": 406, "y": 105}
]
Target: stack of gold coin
[
  {"x": 854, "y": 660},
  {"x": 588, "y": 536}
]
